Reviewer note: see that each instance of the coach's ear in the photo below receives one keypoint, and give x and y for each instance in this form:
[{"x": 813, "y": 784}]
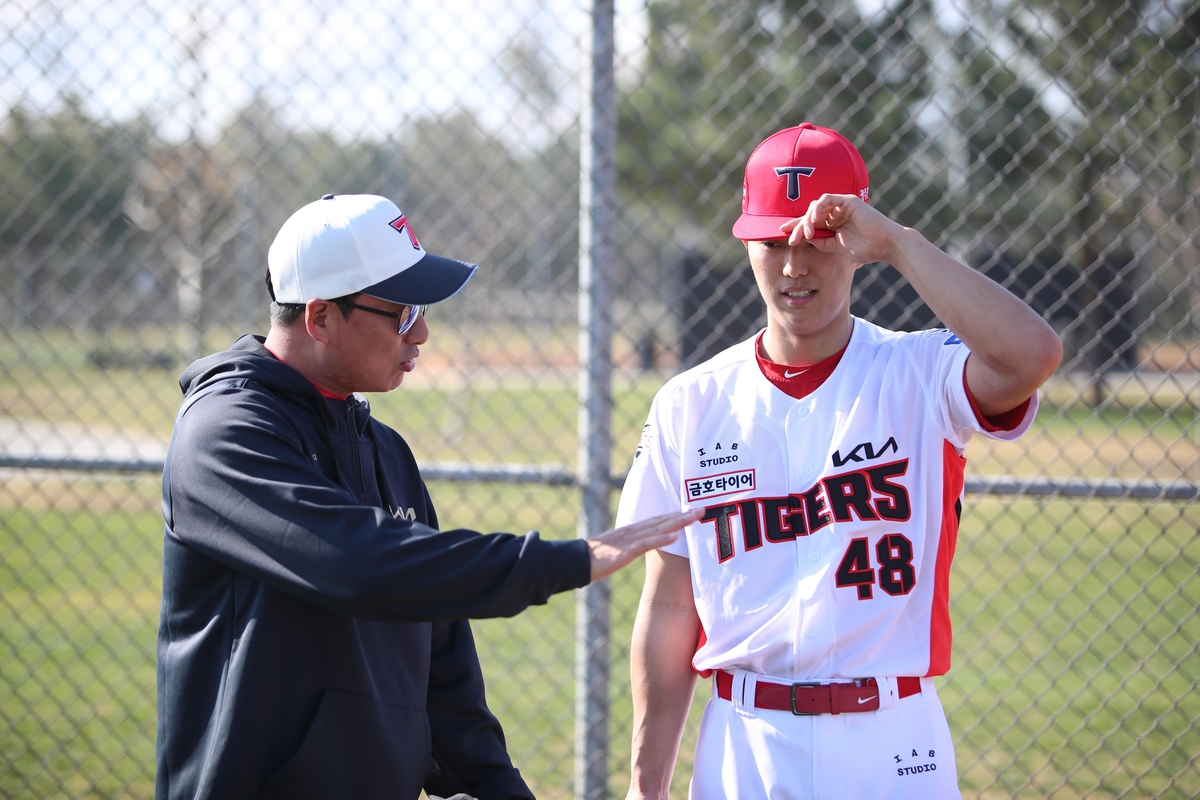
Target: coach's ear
[{"x": 316, "y": 319}]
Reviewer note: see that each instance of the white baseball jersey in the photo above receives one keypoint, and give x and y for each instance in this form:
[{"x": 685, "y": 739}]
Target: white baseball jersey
[{"x": 831, "y": 520}]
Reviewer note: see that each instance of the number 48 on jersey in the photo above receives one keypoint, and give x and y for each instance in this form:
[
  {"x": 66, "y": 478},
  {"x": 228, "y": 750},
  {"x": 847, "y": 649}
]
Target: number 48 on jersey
[{"x": 893, "y": 554}]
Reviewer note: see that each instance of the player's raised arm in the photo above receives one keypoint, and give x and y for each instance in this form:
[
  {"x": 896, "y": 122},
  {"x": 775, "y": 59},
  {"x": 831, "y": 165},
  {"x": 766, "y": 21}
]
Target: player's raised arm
[
  {"x": 661, "y": 675},
  {"x": 1013, "y": 350}
]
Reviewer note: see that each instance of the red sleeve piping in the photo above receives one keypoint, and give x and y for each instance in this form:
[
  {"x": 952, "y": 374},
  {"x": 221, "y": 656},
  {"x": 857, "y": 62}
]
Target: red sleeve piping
[{"x": 1004, "y": 421}]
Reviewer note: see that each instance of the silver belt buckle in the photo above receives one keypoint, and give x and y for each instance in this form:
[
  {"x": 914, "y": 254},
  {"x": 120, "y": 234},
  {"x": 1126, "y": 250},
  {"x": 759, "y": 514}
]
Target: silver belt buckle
[{"x": 796, "y": 686}]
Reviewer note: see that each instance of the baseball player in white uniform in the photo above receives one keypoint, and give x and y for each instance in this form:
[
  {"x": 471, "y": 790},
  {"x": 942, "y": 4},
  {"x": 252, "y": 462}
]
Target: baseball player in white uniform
[{"x": 827, "y": 453}]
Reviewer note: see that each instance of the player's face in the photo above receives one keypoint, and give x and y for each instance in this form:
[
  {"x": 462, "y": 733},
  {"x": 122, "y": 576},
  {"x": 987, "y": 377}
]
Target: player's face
[
  {"x": 371, "y": 356},
  {"x": 807, "y": 291}
]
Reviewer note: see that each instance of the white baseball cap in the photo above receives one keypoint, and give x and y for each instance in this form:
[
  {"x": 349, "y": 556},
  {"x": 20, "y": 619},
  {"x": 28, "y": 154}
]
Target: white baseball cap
[{"x": 347, "y": 243}]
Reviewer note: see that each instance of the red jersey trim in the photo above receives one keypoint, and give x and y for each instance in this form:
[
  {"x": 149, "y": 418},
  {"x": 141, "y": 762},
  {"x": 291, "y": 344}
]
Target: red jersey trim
[
  {"x": 703, "y": 673},
  {"x": 941, "y": 635},
  {"x": 1007, "y": 421},
  {"x": 802, "y": 385}
]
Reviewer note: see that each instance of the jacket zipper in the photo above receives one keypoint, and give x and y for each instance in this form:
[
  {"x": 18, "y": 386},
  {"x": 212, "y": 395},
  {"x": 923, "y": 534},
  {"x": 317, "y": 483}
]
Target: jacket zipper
[{"x": 354, "y": 450}]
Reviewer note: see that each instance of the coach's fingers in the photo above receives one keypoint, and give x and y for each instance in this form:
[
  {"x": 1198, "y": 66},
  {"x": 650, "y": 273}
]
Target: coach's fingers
[{"x": 614, "y": 549}]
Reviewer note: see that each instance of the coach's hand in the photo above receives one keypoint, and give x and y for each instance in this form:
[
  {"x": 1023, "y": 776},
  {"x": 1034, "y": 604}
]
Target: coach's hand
[{"x": 614, "y": 549}]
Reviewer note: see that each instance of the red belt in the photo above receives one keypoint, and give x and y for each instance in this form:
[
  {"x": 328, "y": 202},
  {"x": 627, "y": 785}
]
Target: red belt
[{"x": 817, "y": 698}]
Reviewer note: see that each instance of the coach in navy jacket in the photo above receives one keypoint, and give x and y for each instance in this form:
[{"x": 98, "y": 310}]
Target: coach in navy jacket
[{"x": 312, "y": 641}]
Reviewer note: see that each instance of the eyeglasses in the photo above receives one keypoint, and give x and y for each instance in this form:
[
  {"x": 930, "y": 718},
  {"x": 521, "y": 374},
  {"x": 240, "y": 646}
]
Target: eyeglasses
[{"x": 406, "y": 317}]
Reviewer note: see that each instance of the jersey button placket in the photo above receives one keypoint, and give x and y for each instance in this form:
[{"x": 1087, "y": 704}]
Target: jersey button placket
[
  {"x": 801, "y": 446},
  {"x": 800, "y": 433}
]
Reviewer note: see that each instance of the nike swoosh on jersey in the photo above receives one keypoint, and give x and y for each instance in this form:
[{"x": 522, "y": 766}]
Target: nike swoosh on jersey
[
  {"x": 862, "y": 700},
  {"x": 788, "y": 374}
]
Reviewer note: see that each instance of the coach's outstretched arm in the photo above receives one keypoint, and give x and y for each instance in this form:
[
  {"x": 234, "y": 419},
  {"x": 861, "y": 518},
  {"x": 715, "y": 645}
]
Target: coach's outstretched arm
[
  {"x": 661, "y": 675},
  {"x": 611, "y": 550},
  {"x": 1013, "y": 350}
]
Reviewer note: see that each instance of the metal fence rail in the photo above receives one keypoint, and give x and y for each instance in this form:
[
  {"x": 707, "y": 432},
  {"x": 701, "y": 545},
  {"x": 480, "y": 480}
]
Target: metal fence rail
[
  {"x": 557, "y": 475},
  {"x": 149, "y": 150}
]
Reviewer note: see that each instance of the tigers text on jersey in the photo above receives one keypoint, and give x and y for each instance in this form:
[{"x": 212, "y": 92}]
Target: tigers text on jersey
[{"x": 830, "y": 521}]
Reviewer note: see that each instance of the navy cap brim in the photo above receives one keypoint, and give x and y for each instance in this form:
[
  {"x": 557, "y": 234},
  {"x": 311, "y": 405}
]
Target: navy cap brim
[{"x": 431, "y": 280}]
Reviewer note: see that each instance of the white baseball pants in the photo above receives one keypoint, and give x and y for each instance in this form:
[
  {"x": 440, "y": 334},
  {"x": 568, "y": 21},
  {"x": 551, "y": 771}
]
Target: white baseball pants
[{"x": 903, "y": 751}]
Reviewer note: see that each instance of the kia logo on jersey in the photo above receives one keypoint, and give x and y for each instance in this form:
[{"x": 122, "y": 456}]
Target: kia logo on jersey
[
  {"x": 793, "y": 179},
  {"x": 867, "y": 450}
]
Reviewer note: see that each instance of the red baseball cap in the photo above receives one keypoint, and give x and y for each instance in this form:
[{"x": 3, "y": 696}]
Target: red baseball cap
[{"x": 789, "y": 170}]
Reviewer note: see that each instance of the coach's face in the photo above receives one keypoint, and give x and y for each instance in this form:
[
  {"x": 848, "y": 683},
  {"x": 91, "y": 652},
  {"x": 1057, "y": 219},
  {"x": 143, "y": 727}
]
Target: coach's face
[
  {"x": 807, "y": 291},
  {"x": 364, "y": 352}
]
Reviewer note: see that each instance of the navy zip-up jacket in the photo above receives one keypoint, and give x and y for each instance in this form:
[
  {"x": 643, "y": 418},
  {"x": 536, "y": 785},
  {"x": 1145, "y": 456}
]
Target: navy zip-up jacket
[{"x": 312, "y": 641}]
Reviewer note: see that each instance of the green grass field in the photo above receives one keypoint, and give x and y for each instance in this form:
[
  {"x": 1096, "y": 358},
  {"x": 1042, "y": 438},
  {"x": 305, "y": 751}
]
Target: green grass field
[{"x": 1074, "y": 674}]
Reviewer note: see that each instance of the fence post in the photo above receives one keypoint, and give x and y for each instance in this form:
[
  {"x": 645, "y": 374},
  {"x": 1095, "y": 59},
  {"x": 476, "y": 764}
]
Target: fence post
[
  {"x": 597, "y": 189},
  {"x": 190, "y": 198}
]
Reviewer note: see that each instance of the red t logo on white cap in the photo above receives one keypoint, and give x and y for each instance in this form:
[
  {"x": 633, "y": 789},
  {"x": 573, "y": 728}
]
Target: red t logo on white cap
[{"x": 400, "y": 223}]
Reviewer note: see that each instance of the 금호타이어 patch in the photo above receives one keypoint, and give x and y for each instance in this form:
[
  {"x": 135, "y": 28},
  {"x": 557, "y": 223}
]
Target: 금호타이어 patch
[{"x": 716, "y": 485}]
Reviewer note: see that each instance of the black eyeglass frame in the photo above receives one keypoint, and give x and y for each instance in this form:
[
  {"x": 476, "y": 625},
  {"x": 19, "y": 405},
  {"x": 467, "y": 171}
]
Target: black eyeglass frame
[{"x": 404, "y": 323}]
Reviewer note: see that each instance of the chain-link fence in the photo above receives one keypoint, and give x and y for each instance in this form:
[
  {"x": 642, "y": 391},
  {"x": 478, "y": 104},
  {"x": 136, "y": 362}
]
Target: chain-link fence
[{"x": 151, "y": 149}]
